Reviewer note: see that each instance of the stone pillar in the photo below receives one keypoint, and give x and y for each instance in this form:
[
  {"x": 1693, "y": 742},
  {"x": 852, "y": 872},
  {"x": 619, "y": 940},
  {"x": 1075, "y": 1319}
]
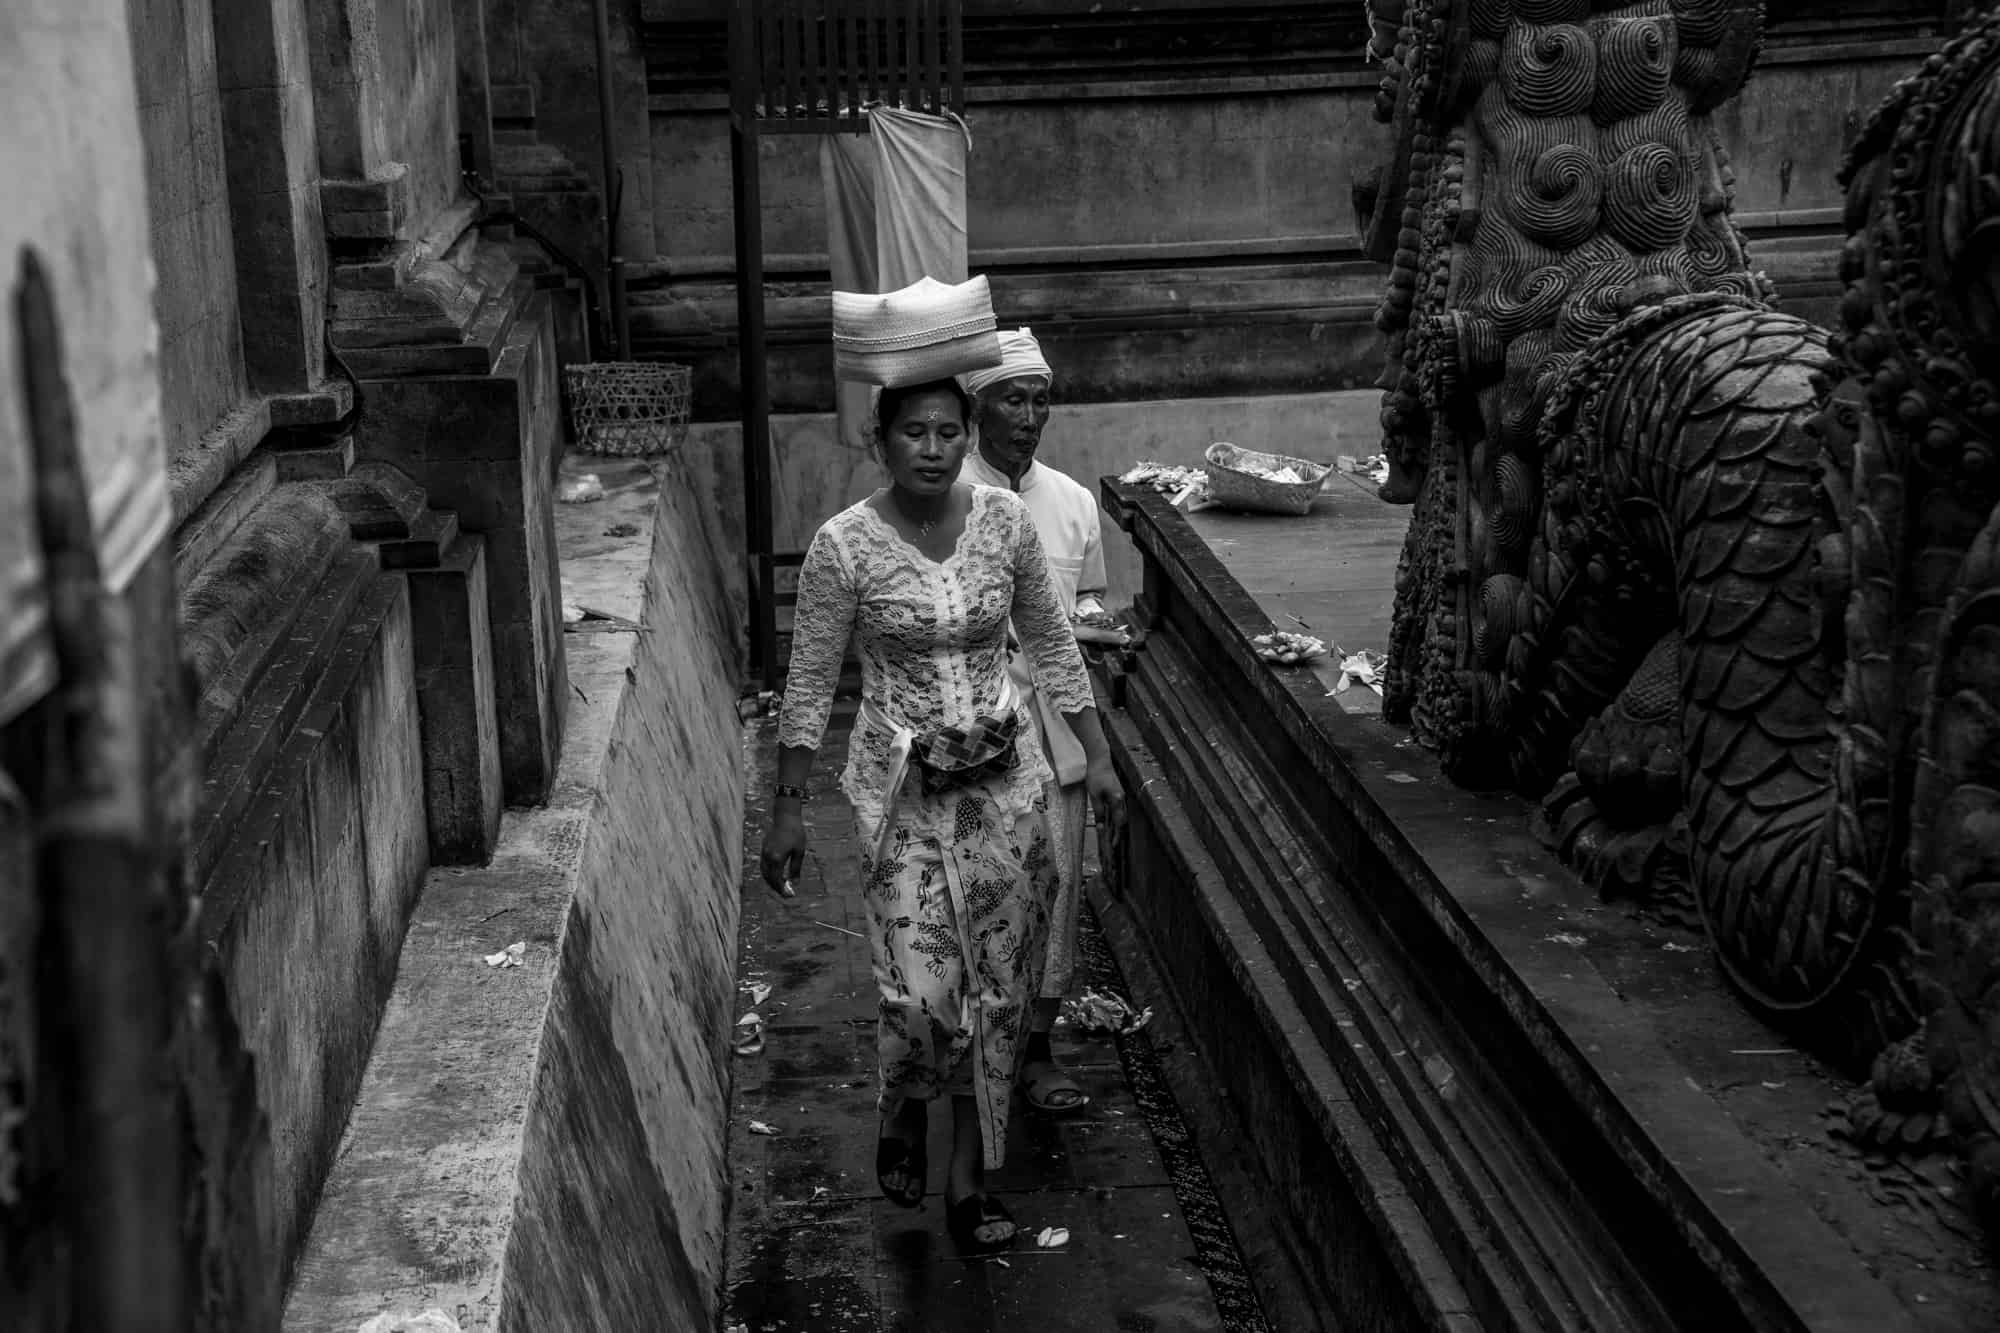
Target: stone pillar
[
  {"x": 269, "y": 147},
  {"x": 461, "y": 743},
  {"x": 347, "y": 86},
  {"x": 475, "y": 99},
  {"x": 451, "y": 342},
  {"x": 484, "y": 442}
]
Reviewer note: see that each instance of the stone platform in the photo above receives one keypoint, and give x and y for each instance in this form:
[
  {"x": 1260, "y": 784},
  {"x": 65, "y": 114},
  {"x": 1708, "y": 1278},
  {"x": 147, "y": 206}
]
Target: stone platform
[{"x": 1475, "y": 1096}]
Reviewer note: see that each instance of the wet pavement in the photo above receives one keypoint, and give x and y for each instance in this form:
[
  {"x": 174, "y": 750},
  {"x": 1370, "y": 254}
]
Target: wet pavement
[{"x": 812, "y": 1244}]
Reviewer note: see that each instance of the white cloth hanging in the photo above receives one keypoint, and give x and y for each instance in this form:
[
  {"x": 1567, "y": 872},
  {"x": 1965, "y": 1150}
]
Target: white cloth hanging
[{"x": 895, "y": 209}]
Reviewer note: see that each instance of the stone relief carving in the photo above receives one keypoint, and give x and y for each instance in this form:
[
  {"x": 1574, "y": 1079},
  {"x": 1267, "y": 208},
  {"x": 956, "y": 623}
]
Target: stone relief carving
[{"x": 1719, "y": 587}]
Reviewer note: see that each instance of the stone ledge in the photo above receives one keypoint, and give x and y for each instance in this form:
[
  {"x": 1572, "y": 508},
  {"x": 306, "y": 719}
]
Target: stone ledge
[
  {"x": 305, "y": 904},
  {"x": 1538, "y": 1047},
  {"x": 367, "y": 210},
  {"x": 445, "y": 1170}
]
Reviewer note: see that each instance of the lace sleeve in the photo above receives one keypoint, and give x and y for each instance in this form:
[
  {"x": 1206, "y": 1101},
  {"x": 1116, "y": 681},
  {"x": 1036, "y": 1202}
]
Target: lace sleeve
[
  {"x": 1041, "y": 624},
  {"x": 823, "y": 621}
]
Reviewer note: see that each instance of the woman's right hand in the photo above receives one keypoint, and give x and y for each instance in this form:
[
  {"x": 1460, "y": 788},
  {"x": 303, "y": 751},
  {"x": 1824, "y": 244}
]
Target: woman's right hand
[{"x": 784, "y": 853}]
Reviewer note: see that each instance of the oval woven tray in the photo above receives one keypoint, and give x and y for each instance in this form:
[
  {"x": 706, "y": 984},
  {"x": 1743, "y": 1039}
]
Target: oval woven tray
[{"x": 1233, "y": 488}]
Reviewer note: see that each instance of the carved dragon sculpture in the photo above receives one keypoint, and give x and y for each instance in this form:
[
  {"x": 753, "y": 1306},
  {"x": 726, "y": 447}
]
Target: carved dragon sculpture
[{"x": 1723, "y": 592}]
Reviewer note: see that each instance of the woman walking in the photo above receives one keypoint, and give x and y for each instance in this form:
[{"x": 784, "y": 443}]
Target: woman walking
[{"x": 946, "y": 778}]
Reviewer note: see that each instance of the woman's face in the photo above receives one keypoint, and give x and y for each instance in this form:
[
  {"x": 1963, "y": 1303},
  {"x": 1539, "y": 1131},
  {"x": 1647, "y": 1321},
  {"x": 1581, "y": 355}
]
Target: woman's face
[{"x": 924, "y": 444}]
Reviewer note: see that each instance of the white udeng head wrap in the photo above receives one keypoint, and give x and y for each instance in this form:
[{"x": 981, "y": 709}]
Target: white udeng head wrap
[{"x": 1020, "y": 358}]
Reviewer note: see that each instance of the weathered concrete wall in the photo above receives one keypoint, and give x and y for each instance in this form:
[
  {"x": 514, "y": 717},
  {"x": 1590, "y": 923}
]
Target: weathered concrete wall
[
  {"x": 264, "y": 76},
  {"x": 385, "y": 106},
  {"x": 619, "y": 1222},
  {"x": 308, "y": 906},
  {"x": 194, "y": 250},
  {"x": 1184, "y": 236},
  {"x": 543, "y": 53},
  {"x": 1114, "y": 170},
  {"x": 562, "y": 1121},
  {"x": 1790, "y": 130},
  {"x": 83, "y": 211},
  {"x": 420, "y": 100}
]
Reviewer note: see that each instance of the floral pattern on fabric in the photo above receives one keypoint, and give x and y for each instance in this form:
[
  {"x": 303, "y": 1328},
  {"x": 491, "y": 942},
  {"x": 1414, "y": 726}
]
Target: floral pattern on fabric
[
  {"x": 932, "y": 639},
  {"x": 982, "y": 895},
  {"x": 958, "y": 902}
]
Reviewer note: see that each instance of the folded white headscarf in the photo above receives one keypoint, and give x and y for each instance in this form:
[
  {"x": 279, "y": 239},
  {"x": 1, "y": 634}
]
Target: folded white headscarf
[{"x": 1020, "y": 358}]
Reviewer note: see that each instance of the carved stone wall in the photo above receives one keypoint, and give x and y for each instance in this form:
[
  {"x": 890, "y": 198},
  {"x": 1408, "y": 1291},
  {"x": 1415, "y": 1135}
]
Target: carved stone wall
[{"x": 180, "y": 117}]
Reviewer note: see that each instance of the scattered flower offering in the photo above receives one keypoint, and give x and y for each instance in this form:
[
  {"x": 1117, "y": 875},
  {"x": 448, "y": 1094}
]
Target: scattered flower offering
[
  {"x": 1104, "y": 1015},
  {"x": 509, "y": 956},
  {"x": 1165, "y": 478},
  {"x": 1362, "y": 668},
  {"x": 1287, "y": 475},
  {"x": 1288, "y": 649},
  {"x": 1375, "y": 467}
]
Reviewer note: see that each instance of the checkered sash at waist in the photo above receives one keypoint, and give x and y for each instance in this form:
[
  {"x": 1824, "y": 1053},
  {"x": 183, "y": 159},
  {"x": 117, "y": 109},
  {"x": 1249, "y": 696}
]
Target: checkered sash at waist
[{"x": 901, "y": 739}]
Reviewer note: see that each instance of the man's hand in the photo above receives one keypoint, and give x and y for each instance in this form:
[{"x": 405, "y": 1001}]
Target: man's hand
[{"x": 1107, "y": 797}]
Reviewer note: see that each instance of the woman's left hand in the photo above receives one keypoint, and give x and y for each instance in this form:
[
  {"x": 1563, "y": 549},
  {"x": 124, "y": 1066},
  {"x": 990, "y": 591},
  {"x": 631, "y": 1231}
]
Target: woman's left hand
[{"x": 1107, "y": 798}]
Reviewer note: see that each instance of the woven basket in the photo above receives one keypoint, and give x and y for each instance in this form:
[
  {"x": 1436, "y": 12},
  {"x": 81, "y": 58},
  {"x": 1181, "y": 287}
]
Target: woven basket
[
  {"x": 1232, "y": 488},
  {"x": 627, "y": 408}
]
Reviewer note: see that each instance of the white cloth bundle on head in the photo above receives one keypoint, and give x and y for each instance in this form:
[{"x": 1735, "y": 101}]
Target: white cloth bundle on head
[
  {"x": 926, "y": 331},
  {"x": 1020, "y": 358}
]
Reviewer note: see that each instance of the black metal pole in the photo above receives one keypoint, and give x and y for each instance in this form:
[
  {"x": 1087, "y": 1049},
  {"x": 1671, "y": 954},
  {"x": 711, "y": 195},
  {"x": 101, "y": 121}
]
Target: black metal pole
[
  {"x": 745, "y": 188},
  {"x": 614, "y": 261}
]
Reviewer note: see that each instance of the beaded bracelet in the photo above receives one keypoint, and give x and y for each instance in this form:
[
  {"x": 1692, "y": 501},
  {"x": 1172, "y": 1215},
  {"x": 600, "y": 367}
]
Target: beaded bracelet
[{"x": 783, "y": 789}]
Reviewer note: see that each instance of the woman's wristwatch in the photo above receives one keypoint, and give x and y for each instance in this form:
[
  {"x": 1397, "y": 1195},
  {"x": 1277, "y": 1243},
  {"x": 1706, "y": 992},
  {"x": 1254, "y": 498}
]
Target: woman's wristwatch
[{"x": 781, "y": 790}]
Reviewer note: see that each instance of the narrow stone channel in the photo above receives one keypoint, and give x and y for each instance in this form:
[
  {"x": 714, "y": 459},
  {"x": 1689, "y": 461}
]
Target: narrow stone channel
[{"x": 813, "y": 1246}]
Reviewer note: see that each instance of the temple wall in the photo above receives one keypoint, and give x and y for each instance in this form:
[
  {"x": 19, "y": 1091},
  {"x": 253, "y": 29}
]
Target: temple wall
[
  {"x": 1789, "y": 132},
  {"x": 311, "y": 898},
  {"x": 180, "y": 118},
  {"x": 83, "y": 213},
  {"x": 1170, "y": 229},
  {"x": 175, "y": 205},
  {"x": 419, "y": 97}
]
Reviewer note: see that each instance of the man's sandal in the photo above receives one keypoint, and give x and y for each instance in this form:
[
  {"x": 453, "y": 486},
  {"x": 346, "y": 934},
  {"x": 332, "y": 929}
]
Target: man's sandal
[
  {"x": 1050, "y": 1090},
  {"x": 974, "y": 1213}
]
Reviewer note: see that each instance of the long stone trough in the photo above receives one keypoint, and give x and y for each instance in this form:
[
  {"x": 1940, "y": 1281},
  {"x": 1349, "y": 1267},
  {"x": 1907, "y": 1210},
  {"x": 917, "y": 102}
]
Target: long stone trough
[{"x": 1456, "y": 1126}]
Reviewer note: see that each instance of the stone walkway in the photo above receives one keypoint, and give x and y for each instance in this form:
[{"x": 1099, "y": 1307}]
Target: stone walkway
[{"x": 813, "y": 1246}]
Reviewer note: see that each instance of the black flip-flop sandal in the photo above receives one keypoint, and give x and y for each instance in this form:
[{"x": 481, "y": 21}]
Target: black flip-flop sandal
[
  {"x": 964, "y": 1219},
  {"x": 1051, "y": 1081},
  {"x": 908, "y": 1156}
]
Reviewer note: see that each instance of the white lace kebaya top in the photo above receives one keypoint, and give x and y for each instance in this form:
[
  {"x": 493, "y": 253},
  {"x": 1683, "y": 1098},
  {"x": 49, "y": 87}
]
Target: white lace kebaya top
[{"x": 932, "y": 639}]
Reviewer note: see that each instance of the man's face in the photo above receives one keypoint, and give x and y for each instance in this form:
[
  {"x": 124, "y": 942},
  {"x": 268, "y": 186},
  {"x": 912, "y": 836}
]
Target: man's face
[{"x": 1011, "y": 416}]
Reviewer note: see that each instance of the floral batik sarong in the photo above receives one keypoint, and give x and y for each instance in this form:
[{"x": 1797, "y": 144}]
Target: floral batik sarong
[{"x": 959, "y": 925}]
